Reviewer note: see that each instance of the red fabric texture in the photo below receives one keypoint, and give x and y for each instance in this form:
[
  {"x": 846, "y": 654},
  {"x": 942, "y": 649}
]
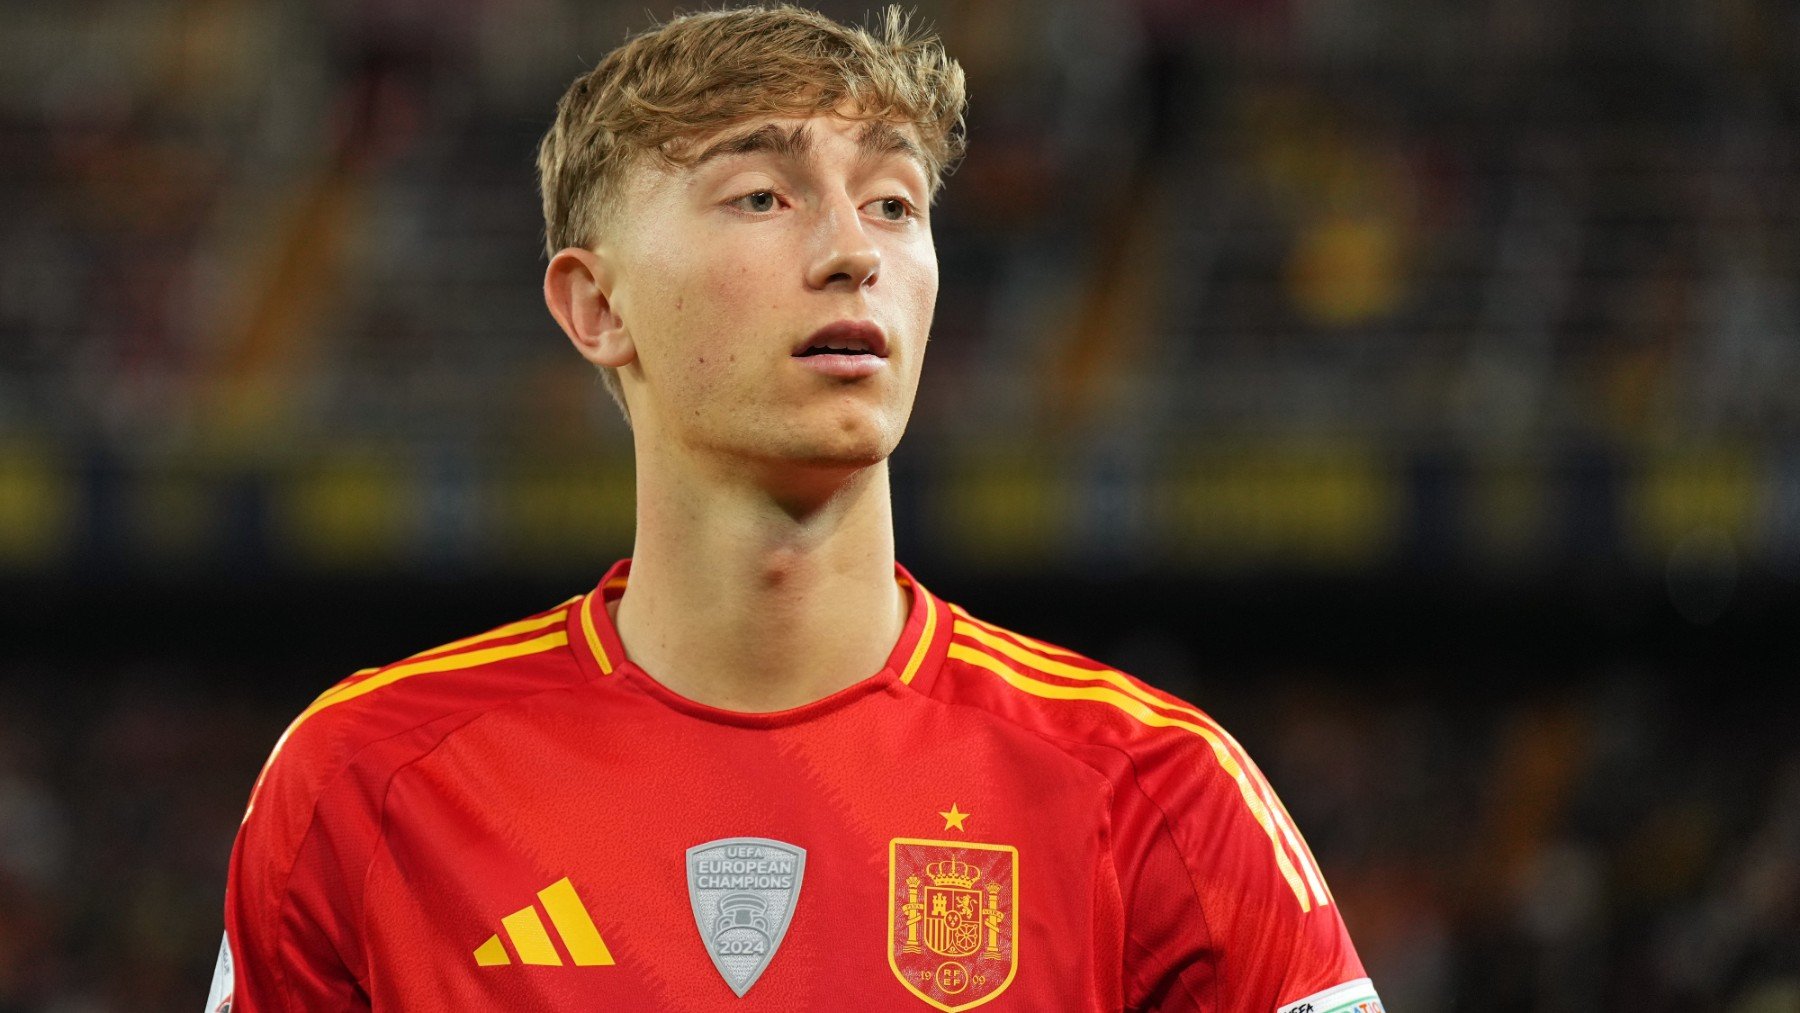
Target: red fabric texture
[{"x": 416, "y": 806}]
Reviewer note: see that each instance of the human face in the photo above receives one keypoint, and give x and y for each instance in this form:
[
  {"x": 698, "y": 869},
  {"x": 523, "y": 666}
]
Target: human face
[{"x": 724, "y": 271}]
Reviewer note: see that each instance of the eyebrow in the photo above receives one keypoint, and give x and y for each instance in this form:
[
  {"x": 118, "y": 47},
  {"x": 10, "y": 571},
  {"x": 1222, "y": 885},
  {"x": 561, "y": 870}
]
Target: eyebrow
[{"x": 796, "y": 143}]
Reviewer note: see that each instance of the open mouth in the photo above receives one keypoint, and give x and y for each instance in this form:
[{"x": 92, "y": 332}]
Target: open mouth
[{"x": 845, "y": 338}]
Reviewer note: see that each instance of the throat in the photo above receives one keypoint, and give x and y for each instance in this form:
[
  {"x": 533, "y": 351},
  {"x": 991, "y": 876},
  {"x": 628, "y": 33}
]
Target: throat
[
  {"x": 762, "y": 647},
  {"x": 739, "y": 600}
]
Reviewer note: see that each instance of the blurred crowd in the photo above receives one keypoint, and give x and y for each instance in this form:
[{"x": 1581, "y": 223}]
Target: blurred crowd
[
  {"x": 1614, "y": 844},
  {"x": 1617, "y": 841},
  {"x": 1487, "y": 222},
  {"x": 1546, "y": 249}
]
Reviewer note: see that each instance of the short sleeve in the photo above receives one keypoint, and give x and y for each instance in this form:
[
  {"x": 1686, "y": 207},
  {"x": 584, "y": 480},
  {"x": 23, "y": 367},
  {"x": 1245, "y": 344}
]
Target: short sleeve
[
  {"x": 1229, "y": 910},
  {"x": 289, "y": 893}
]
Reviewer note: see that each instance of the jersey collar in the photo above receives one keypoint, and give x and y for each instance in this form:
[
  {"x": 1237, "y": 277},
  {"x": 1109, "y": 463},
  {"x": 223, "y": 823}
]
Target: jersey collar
[{"x": 915, "y": 659}]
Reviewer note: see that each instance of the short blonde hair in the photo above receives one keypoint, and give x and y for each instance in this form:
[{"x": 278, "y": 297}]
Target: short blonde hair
[{"x": 682, "y": 80}]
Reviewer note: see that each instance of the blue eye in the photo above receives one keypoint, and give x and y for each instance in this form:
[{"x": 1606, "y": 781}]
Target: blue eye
[
  {"x": 894, "y": 209},
  {"x": 761, "y": 201}
]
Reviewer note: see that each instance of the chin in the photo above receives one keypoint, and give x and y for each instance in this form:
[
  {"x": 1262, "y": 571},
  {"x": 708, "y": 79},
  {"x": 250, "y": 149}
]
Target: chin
[
  {"x": 848, "y": 432},
  {"x": 858, "y": 444},
  {"x": 845, "y": 455}
]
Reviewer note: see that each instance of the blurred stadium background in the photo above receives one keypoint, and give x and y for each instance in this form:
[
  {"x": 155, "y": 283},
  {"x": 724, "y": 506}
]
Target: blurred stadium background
[{"x": 1415, "y": 386}]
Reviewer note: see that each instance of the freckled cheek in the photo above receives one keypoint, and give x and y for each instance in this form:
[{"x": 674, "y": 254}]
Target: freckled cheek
[
  {"x": 710, "y": 314},
  {"x": 684, "y": 304}
]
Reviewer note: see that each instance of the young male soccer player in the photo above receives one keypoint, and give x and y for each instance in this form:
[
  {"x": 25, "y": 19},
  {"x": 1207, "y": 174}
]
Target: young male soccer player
[{"x": 759, "y": 766}]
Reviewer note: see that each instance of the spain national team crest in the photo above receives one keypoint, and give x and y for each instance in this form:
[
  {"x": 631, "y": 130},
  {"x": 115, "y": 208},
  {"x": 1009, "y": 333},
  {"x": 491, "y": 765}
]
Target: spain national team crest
[{"x": 953, "y": 929}]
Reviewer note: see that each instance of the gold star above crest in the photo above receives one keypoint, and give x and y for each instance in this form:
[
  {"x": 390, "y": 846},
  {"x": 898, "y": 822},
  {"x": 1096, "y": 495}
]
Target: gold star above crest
[{"x": 954, "y": 819}]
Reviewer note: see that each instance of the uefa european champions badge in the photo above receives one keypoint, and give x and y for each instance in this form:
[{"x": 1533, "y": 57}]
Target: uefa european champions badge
[{"x": 744, "y": 890}]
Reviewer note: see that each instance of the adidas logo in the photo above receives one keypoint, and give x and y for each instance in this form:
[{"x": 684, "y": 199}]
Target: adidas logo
[{"x": 532, "y": 942}]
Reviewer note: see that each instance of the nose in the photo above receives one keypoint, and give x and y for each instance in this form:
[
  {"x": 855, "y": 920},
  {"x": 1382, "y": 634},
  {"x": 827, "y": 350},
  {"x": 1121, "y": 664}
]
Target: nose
[{"x": 845, "y": 253}]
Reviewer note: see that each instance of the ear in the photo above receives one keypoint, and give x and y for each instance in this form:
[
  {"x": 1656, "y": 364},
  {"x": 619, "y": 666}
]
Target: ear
[{"x": 578, "y": 287}]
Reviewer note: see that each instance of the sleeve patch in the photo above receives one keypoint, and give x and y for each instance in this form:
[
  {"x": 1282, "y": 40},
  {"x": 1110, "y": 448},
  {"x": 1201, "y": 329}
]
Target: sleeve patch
[
  {"x": 218, "y": 999},
  {"x": 1351, "y": 997}
]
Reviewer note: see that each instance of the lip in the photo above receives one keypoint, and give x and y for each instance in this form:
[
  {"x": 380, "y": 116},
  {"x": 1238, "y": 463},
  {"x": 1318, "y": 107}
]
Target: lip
[{"x": 867, "y": 332}]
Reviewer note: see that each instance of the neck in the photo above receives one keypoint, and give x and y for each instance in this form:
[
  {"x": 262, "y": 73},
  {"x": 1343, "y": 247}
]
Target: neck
[{"x": 753, "y": 600}]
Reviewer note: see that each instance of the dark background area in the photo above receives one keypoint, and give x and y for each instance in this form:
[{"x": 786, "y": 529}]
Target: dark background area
[{"x": 1414, "y": 387}]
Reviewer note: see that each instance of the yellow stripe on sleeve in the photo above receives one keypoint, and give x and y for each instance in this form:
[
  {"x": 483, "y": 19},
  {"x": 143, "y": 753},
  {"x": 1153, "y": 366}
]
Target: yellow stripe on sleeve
[
  {"x": 1302, "y": 854},
  {"x": 1292, "y": 837},
  {"x": 1051, "y": 666},
  {"x": 499, "y": 633},
  {"x": 445, "y": 663},
  {"x": 1258, "y": 784},
  {"x": 1139, "y": 710},
  {"x": 1303, "y": 851},
  {"x": 560, "y": 613},
  {"x": 1035, "y": 644}
]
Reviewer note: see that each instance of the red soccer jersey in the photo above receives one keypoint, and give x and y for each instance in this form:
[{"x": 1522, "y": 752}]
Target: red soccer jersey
[{"x": 526, "y": 820}]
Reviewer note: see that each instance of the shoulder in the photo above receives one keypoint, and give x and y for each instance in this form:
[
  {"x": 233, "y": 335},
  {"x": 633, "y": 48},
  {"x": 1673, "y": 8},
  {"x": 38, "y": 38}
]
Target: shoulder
[
  {"x": 1065, "y": 695},
  {"x": 384, "y": 716},
  {"x": 293, "y": 893},
  {"x": 1194, "y": 781},
  {"x": 1222, "y": 894}
]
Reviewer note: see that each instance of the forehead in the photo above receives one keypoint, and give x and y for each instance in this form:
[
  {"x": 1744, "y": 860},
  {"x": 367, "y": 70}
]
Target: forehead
[
  {"x": 798, "y": 138},
  {"x": 654, "y": 185}
]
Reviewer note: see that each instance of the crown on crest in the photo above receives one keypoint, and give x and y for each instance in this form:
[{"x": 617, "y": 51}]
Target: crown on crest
[{"x": 953, "y": 872}]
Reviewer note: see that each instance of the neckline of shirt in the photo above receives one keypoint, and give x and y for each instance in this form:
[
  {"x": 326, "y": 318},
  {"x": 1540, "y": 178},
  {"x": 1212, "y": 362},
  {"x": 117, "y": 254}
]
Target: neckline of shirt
[{"x": 913, "y": 661}]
